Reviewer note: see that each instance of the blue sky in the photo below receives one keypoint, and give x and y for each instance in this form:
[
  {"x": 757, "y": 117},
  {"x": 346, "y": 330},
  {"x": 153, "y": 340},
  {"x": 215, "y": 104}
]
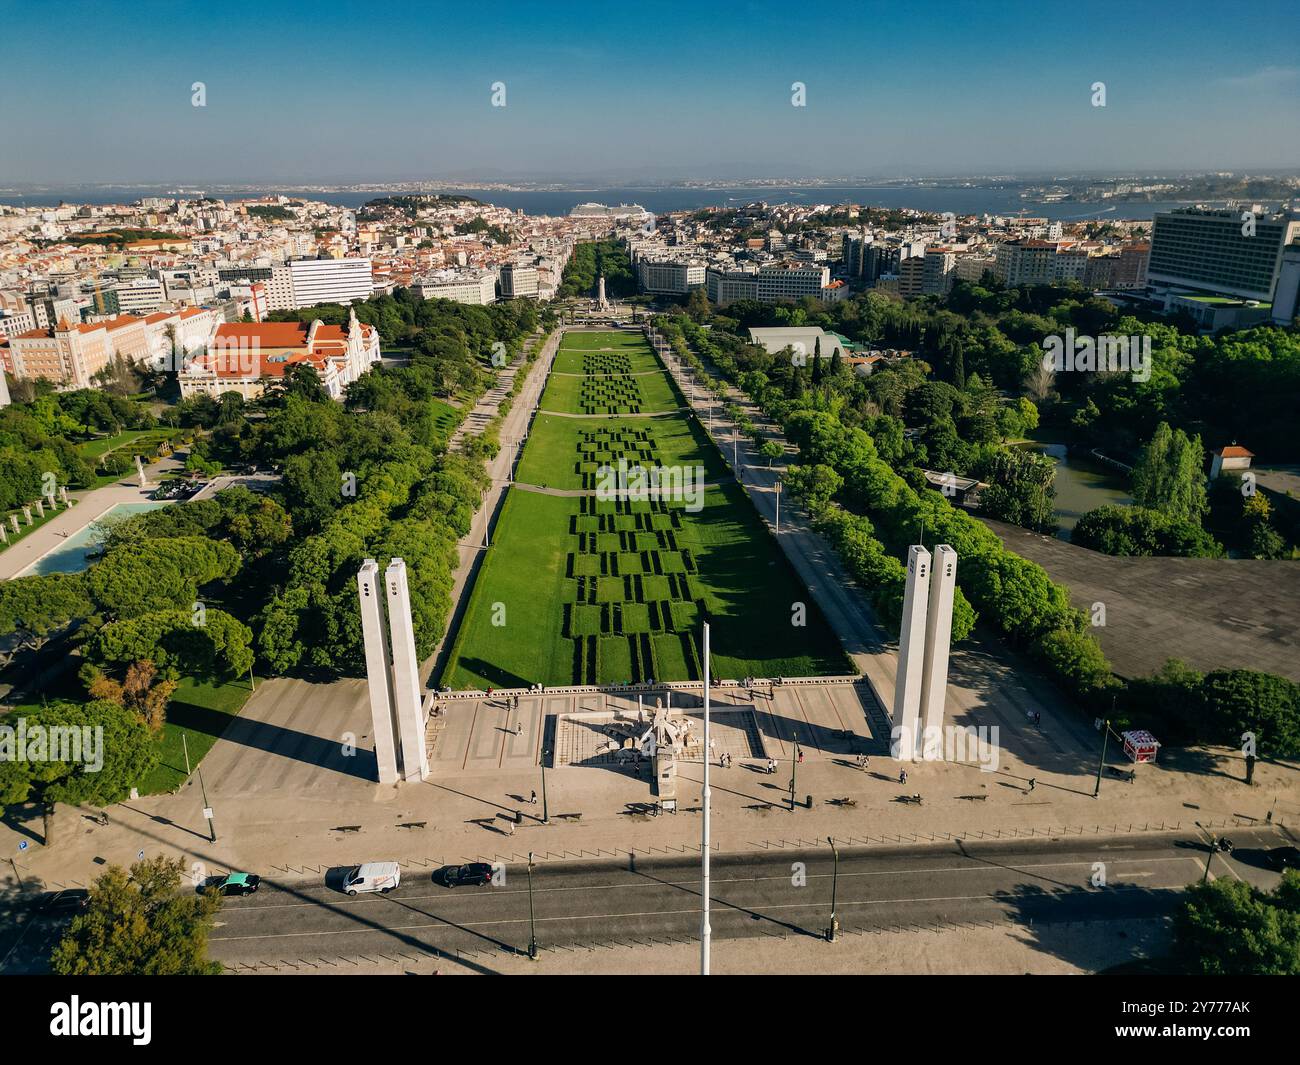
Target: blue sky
[{"x": 339, "y": 90}]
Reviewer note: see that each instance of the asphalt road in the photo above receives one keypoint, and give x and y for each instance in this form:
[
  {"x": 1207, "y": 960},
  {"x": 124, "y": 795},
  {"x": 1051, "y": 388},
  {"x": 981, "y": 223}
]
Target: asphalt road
[{"x": 769, "y": 894}]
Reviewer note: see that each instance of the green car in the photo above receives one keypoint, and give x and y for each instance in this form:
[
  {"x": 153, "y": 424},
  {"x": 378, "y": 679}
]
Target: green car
[{"x": 239, "y": 884}]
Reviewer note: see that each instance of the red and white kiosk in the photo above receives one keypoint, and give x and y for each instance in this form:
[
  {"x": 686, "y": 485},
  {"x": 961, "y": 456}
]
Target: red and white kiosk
[{"x": 1140, "y": 745}]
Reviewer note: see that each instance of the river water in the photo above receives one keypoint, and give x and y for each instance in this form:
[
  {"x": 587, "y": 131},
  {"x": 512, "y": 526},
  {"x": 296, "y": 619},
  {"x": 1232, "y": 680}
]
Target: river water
[{"x": 960, "y": 199}]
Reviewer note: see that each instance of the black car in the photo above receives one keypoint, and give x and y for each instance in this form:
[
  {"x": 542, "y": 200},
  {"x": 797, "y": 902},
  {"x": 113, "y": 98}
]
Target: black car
[
  {"x": 67, "y": 901},
  {"x": 238, "y": 884},
  {"x": 475, "y": 874},
  {"x": 1283, "y": 858}
]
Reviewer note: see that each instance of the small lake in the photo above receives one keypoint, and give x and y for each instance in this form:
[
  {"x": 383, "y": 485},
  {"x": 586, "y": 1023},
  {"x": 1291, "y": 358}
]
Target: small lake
[
  {"x": 73, "y": 555},
  {"x": 1081, "y": 485}
]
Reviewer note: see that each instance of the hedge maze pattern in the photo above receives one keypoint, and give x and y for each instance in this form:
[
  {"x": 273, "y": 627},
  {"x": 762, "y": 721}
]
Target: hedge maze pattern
[
  {"x": 610, "y": 395},
  {"x": 633, "y": 603}
]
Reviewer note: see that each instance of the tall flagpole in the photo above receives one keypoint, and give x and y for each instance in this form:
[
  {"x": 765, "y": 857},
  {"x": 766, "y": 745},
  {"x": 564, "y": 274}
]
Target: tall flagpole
[{"x": 706, "y": 933}]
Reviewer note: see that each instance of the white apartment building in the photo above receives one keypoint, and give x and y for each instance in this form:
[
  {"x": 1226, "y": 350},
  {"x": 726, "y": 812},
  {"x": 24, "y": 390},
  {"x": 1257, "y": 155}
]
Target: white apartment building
[
  {"x": 1216, "y": 251},
  {"x": 519, "y": 282},
  {"x": 14, "y": 322},
  {"x": 1027, "y": 262},
  {"x": 792, "y": 281},
  {"x": 667, "y": 277},
  {"x": 306, "y": 282},
  {"x": 480, "y": 289},
  {"x": 330, "y": 280},
  {"x": 1071, "y": 264},
  {"x": 780, "y": 281}
]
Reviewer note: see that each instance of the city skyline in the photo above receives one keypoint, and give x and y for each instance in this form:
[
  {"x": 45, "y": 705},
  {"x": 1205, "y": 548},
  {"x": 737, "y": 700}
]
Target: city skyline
[{"x": 608, "y": 95}]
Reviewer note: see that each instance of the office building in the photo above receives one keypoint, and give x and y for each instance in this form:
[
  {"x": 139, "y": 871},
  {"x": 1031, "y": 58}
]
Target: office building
[
  {"x": 462, "y": 287},
  {"x": 668, "y": 277},
  {"x": 1215, "y": 251},
  {"x": 328, "y": 281},
  {"x": 1286, "y": 297},
  {"x": 519, "y": 282}
]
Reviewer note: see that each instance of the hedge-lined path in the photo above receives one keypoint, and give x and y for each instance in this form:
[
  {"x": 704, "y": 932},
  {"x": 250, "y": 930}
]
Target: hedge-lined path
[{"x": 988, "y": 685}]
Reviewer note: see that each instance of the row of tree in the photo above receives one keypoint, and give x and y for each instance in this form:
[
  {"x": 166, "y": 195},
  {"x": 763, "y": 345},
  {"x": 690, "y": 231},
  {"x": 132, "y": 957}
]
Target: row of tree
[{"x": 872, "y": 513}]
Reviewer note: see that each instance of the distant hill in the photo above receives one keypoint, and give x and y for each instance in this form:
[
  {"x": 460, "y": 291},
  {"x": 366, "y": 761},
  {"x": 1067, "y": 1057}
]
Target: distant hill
[{"x": 409, "y": 205}]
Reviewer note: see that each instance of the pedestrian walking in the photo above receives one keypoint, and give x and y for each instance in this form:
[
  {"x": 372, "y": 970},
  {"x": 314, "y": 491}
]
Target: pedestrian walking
[
  {"x": 1032, "y": 782},
  {"x": 511, "y": 826},
  {"x": 902, "y": 776},
  {"x": 533, "y": 798}
]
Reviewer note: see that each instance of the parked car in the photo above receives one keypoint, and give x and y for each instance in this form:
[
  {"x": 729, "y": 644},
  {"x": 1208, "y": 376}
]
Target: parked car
[
  {"x": 238, "y": 884},
  {"x": 1283, "y": 858},
  {"x": 372, "y": 876},
  {"x": 68, "y": 901},
  {"x": 477, "y": 874}
]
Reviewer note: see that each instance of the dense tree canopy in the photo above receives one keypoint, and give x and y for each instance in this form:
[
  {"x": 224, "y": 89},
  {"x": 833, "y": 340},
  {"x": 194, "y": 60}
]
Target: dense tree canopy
[{"x": 140, "y": 924}]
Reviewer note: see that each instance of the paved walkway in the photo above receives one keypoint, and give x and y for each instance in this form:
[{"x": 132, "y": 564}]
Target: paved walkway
[
  {"x": 987, "y": 685},
  {"x": 89, "y": 506},
  {"x": 291, "y": 786}
]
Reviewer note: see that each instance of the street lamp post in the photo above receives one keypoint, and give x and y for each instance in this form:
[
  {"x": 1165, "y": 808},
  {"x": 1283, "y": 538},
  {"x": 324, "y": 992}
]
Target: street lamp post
[
  {"x": 834, "y": 928},
  {"x": 1105, "y": 735},
  {"x": 207, "y": 810},
  {"x": 532, "y": 917},
  {"x": 778, "y": 508},
  {"x": 706, "y": 932}
]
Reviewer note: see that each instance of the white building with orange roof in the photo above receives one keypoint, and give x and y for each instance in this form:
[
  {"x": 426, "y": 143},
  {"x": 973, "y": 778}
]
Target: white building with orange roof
[
  {"x": 72, "y": 355},
  {"x": 247, "y": 357}
]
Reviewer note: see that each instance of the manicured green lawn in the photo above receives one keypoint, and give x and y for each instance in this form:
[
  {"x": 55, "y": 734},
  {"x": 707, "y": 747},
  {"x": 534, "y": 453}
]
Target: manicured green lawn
[
  {"x": 604, "y": 339},
  {"x": 199, "y": 712},
  {"x": 588, "y": 589},
  {"x": 524, "y": 572},
  {"x": 558, "y": 448},
  {"x": 94, "y": 450},
  {"x": 445, "y": 417},
  {"x": 645, "y": 393},
  {"x": 623, "y": 360}
]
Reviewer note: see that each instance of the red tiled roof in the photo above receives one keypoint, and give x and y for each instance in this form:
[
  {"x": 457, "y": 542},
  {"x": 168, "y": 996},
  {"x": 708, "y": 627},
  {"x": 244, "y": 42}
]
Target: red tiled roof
[
  {"x": 269, "y": 334},
  {"x": 1233, "y": 451}
]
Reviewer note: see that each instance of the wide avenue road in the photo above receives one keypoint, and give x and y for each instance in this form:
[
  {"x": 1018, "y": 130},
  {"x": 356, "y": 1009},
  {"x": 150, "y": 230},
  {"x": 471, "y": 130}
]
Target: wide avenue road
[{"x": 785, "y": 892}]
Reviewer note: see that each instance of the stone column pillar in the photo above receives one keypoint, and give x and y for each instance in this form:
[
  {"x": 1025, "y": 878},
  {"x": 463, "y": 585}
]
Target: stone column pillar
[
  {"x": 406, "y": 673},
  {"x": 938, "y": 640},
  {"x": 378, "y": 670},
  {"x": 911, "y": 655}
]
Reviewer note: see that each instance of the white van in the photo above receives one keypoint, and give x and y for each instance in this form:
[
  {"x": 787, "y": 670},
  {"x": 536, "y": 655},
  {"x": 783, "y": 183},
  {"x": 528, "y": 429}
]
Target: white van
[{"x": 373, "y": 876}]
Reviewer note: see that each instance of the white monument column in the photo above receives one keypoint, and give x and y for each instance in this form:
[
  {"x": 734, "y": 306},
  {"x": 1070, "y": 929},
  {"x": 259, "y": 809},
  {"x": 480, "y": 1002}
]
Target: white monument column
[
  {"x": 911, "y": 654},
  {"x": 379, "y": 677},
  {"x": 406, "y": 674},
  {"x": 938, "y": 640}
]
